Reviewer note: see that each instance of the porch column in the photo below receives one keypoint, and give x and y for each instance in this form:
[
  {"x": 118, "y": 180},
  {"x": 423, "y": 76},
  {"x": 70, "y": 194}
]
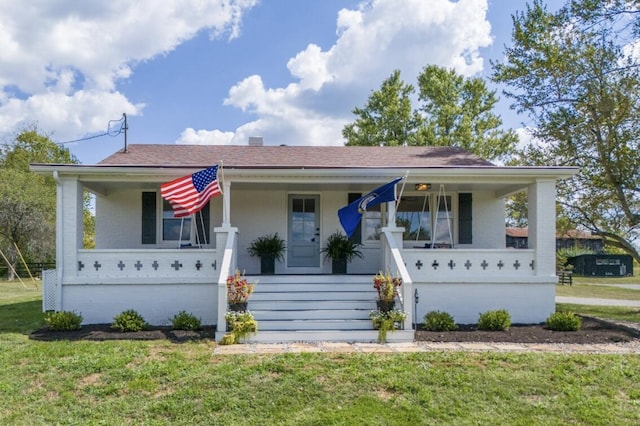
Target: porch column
[
  {"x": 69, "y": 229},
  {"x": 391, "y": 215},
  {"x": 226, "y": 204},
  {"x": 542, "y": 226}
]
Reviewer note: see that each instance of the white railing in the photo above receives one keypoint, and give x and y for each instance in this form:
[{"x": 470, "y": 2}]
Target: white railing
[
  {"x": 115, "y": 265},
  {"x": 228, "y": 267},
  {"x": 469, "y": 265},
  {"x": 396, "y": 263}
]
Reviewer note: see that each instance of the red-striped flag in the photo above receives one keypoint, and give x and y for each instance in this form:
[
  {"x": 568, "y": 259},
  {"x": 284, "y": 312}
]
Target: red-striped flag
[{"x": 189, "y": 194}]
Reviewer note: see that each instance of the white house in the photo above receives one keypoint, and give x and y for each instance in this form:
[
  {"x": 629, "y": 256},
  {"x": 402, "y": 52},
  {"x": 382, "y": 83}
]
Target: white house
[{"x": 445, "y": 237}]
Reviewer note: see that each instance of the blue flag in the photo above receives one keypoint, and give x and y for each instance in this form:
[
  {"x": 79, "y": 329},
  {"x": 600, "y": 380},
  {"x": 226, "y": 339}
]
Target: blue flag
[{"x": 351, "y": 214}]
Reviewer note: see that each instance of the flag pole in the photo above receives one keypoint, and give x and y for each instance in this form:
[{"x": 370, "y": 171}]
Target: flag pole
[{"x": 404, "y": 182}]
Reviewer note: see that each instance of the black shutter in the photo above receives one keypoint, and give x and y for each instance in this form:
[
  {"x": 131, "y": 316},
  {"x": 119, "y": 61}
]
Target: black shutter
[
  {"x": 149, "y": 218},
  {"x": 465, "y": 222},
  {"x": 356, "y": 237}
]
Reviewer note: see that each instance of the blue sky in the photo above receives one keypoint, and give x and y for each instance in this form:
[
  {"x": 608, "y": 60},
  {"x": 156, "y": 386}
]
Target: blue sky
[{"x": 220, "y": 71}]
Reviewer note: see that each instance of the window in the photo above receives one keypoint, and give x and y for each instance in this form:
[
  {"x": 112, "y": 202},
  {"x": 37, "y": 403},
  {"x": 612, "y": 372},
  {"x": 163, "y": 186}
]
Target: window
[
  {"x": 444, "y": 222},
  {"x": 194, "y": 231},
  {"x": 174, "y": 229},
  {"x": 414, "y": 214}
]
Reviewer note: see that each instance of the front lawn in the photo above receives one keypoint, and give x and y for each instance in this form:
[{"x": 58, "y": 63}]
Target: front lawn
[
  {"x": 158, "y": 382},
  {"x": 597, "y": 291}
]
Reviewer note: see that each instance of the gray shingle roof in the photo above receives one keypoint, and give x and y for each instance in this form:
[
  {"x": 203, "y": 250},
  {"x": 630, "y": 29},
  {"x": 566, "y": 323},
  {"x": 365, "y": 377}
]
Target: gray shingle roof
[{"x": 238, "y": 156}]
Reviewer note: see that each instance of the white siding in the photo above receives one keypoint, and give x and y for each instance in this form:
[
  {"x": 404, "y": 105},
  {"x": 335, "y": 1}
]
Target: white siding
[
  {"x": 257, "y": 213},
  {"x": 527, "y": 303},
  {"x": 119, "y": 220},
  {"x": 98, "y": 304},
  {"x": 488, "y": 221}
]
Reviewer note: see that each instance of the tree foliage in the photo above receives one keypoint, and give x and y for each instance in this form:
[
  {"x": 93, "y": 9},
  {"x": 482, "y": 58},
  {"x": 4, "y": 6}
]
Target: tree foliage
[
  {"x": 453, "y": 111},
  {"x": 576, "y": 74},
  {"x": 387, "y": 119},
  {"x": 457, "y": 111},
  {"x": 28, "y": 200}
]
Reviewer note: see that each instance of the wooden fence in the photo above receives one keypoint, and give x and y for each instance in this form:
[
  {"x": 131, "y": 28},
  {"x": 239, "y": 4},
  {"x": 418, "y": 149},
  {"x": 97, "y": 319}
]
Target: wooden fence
[{"x": 35, "y": 268}]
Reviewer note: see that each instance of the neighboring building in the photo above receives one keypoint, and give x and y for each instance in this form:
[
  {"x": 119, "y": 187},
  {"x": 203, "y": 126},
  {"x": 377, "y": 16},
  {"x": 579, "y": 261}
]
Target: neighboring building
[
  {"x": 296, "y": 191},
  {"x": 517, "y": 238}
]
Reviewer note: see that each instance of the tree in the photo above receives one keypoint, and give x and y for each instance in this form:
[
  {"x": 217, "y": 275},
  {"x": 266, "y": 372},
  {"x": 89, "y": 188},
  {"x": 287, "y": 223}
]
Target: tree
[
  {"x": 387, "y": 119},
  {"x": 454, "y": 111},
  {"x": 28, "y": 200},
  {"x": 27, "y": 217},
  {"x": 575, "y": 73},
  {"x": 458, "y": 112}
]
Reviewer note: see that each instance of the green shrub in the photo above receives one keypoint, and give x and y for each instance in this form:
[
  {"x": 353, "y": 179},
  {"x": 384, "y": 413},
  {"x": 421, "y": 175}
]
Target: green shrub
[
  {"x": 498, "y": 320},
  {"x": 129, "y": 320},
  {"x": 439, "y": 321},
  {"x": 185, "y": 321},
  {"x": 564, "y": 321},
  {"x": 63, "y": 320}
]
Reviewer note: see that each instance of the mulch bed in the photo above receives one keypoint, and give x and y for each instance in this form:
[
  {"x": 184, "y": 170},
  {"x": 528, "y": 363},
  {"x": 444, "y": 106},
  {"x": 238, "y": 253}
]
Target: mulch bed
[
  {"x": 593, "y": 331},
  {"x": 105, "y": 332}
]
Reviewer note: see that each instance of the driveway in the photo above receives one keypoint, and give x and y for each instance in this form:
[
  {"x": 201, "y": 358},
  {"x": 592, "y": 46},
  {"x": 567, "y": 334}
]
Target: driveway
[{"x": 598, "y": 302}]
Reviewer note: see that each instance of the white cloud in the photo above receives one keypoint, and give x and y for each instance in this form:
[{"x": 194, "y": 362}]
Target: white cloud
[
  {"x": 63, "y": 57},
  {"x": 191, "y": 136},
  {"x": 379, "y": 37}
]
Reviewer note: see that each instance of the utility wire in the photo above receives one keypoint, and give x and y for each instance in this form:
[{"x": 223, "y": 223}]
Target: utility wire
[{"x": 109, "y": 132}]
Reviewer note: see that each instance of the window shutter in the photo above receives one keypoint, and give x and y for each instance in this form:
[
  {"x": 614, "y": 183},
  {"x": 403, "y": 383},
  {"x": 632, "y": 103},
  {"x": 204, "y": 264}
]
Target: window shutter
[
  {"x": 357, "y": 234},
  {"x": 149, "y": 217},
  {"x": 465, "y": 222}
]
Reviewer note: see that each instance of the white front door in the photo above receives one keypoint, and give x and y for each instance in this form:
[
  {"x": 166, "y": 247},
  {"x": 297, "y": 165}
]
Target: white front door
[{"x": 303, "y": 246}]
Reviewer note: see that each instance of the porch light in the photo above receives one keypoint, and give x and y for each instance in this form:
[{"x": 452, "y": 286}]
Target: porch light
[{"x": 423, "y": 186}]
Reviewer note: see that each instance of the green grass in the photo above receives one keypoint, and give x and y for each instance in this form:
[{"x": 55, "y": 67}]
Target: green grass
[
  {"x": 597, "y": 291},
  {"x": 622, "y": 313},
  {"x": 158, "y": 382}
]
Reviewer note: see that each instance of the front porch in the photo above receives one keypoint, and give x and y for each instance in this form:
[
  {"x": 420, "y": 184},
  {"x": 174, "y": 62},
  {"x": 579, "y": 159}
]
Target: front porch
[
  {"x": 303, "y": 307},
  {"x": 139, "y": 263}
]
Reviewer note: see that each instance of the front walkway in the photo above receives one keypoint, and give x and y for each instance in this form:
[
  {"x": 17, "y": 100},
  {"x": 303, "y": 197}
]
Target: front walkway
[{"x": 341, "y": 347}]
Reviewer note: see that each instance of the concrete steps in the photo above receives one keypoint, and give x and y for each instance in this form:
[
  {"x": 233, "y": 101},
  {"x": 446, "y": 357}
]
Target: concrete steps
[{"x": 311, "y": 308}]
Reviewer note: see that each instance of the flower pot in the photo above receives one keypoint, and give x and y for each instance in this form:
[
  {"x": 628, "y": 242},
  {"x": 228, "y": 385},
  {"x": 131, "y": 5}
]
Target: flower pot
[
  {"x": 339, "y": 266},
  {"x": 385, "y": 306},
  {"x": 238, "y": 307},
  {"x": 267, "y": 264}
]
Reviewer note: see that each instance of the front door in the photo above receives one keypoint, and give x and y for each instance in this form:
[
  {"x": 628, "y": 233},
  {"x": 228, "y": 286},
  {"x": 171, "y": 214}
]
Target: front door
[{"x": 303, "y": 247}]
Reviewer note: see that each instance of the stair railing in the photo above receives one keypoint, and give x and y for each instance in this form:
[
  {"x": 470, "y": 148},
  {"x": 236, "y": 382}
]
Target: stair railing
[{"x": 395, "y": 261}]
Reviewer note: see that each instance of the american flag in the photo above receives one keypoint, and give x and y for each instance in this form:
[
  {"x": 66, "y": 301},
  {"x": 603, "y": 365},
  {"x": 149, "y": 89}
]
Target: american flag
[{"x": 189, "y": 194}]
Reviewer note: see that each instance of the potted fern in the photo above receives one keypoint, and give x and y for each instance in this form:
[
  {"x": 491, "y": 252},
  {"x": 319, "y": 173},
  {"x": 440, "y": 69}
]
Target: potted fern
[
  {"x": 268, "y": 248},
  {"x": 341, "y": 250}
]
